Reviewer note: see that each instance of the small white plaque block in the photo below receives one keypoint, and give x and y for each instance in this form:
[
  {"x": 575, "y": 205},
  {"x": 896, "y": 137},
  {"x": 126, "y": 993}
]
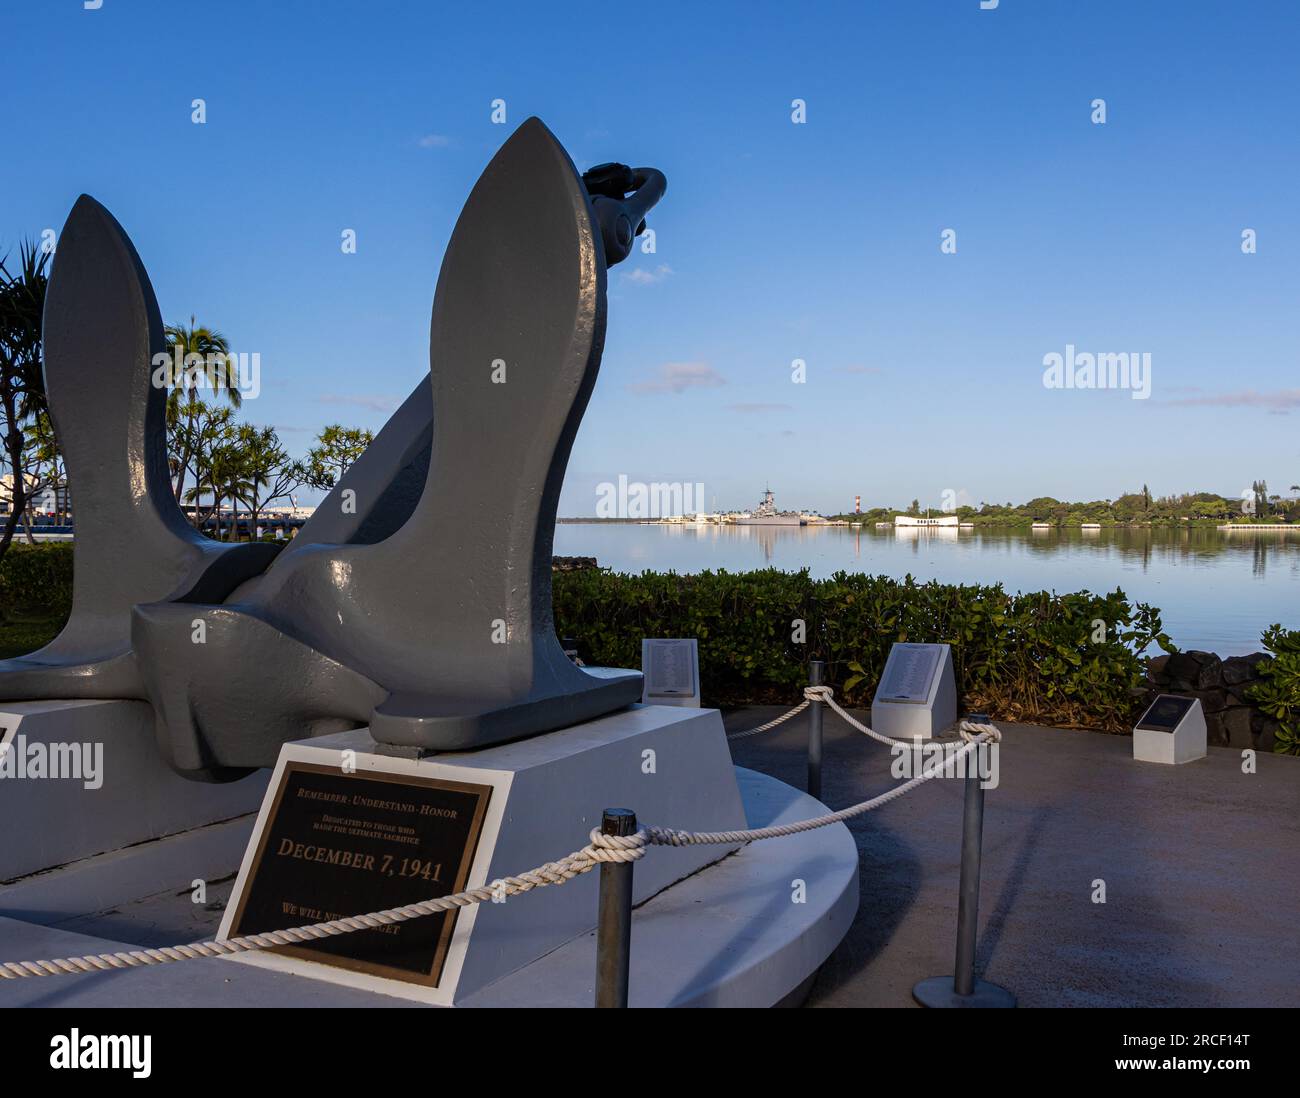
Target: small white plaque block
[
  {"x": 917, "y": 695},
  {"x": 1171, "y": 731},
  {"x": 672, "y": 671}
]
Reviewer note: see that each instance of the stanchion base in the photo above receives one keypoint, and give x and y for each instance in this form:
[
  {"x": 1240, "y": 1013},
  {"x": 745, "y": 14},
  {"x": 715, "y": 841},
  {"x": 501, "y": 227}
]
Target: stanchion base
[{"x": 938, "y": 991}]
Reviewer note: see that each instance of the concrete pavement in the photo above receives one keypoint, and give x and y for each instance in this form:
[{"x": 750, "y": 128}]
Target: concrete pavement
[{"x": 1200, "y": 864}]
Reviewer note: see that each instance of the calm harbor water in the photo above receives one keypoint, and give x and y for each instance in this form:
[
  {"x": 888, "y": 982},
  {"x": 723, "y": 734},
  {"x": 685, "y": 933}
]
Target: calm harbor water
[{"x": 1216, "y": 591}]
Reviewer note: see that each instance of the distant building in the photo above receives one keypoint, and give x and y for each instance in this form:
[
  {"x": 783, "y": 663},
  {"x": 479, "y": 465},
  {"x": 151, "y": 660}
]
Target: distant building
[
  {"x": 288, "y": 512},
  {"x": 45, "y": 502},
  {"x": 909, "y": 520}
]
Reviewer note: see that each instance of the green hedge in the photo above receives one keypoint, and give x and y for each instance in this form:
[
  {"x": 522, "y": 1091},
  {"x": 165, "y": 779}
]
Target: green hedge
[
  {"x": 36, "y": 577},
  {"x": 1070, "y": 660}
]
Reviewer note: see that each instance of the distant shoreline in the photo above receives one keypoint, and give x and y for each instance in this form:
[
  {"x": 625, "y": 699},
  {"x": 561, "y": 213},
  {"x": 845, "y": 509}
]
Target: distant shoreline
[{"x": 966, "y": 524}]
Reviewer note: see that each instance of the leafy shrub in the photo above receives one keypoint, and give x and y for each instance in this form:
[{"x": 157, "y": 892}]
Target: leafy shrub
[
  {"x": 1071, "y": 660},
  {"x": 36, "y": 577},
  {"x": 1278, "y": 692}
]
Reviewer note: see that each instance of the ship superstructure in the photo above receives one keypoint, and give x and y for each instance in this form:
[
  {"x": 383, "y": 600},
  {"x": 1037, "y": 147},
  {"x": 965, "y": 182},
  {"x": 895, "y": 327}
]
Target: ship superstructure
[{"x": 766, "y": 514}]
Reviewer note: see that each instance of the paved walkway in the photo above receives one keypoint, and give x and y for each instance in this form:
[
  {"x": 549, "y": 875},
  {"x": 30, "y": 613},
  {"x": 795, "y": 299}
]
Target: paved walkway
[{"x": 1201, "y": 865}]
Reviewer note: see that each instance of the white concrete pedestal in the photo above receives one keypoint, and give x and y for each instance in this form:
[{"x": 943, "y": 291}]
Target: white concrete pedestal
[
  {"x": 670, "y": 765},
  {"x": 712, "y": 926},
  {"x": 132, "y": 797}
]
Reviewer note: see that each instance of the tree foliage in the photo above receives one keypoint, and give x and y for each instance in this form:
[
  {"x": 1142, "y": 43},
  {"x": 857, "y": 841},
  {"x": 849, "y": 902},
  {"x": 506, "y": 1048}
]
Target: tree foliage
[
  {"x": 337, "y": 449},
  {"x": 23, "y": 284}
]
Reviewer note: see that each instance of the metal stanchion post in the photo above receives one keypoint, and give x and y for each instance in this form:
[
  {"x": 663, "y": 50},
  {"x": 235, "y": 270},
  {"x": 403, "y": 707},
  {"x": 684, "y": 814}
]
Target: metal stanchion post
[
  {"x": 962, "y": 989},
  {"x": 614, "y": 918},
  {"x": 816, "y": 672}
]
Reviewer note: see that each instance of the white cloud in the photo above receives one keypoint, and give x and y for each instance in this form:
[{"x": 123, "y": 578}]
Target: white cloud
[
  {"x": 434, "y": 141},
  {"x": 370, "y": 401},
  {"x": 1277, "y": 401},
  {"x": 677, "y": 377},
  {"x": 642, "y": 277}
]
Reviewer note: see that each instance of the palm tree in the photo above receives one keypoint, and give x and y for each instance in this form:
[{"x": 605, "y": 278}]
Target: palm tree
[
  {"x": 43, "y": 468},
  {"x": 200, "y": 359},
  {"x": 208, "y": 428},
  {"x": 230, "y": 481},
  {"x": 22, "y": 386}
]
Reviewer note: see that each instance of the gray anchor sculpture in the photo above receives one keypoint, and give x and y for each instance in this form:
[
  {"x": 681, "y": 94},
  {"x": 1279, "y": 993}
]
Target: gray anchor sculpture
[
  {"x": 417, "y": 598},
  {"x": 101, "y": 330}
]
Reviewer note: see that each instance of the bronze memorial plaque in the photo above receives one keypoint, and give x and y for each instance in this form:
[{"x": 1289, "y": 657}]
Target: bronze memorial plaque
[{"x": 338, "y": 844}]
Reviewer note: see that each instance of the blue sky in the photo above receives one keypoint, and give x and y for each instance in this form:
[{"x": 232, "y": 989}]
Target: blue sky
[{"x": 776, "y": 242}]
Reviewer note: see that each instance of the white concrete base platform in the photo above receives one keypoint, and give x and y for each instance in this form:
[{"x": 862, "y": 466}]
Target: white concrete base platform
[
  {"x": 748, "y": 930},
  {"x": 733, "y": 935},
  {"x": 81, "y": 778},
  {"x": 78, "y": 895}
]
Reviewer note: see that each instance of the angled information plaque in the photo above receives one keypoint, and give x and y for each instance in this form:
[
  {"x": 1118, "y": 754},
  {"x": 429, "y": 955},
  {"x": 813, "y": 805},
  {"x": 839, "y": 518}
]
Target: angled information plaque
[
  {"x": 917, "y": 695},
  {"x": 671, "y": 667},
  {"x": 1171, "y": 731}
]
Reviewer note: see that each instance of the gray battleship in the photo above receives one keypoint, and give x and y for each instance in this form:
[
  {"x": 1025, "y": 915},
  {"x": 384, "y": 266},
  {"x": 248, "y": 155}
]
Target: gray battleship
[{"x": 766, "y": 514}]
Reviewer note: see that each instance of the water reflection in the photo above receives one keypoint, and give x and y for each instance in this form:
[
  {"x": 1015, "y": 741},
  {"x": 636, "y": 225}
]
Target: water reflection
[{"x": 1217, "y": 590}]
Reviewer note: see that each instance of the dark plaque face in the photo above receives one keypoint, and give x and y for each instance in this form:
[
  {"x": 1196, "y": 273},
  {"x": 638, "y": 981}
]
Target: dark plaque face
[
  {"x": 339, "y": 844},
  {"x": 909, "y": 672},
  {"x": 1165, "y": 713},
  {"x": 671, "y": 670}
]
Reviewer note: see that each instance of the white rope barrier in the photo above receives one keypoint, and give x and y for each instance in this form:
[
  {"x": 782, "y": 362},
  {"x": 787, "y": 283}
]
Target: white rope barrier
[
  {"x": 968, "y": 730},
  {"x": 771, "y": 724},
  {"x": 827, "y": 695},
  {"x": 602, "y": 848},
  {"x": 557, "y": 872},
  {"x": 662, "y": 836}
]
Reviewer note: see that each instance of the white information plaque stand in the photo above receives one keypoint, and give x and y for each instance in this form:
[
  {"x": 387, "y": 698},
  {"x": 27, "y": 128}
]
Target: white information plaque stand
[
  {"x": 672, "y": 672},
  {"x": 917, "y": 695},
  {"x": 1171, "y": 731}
]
